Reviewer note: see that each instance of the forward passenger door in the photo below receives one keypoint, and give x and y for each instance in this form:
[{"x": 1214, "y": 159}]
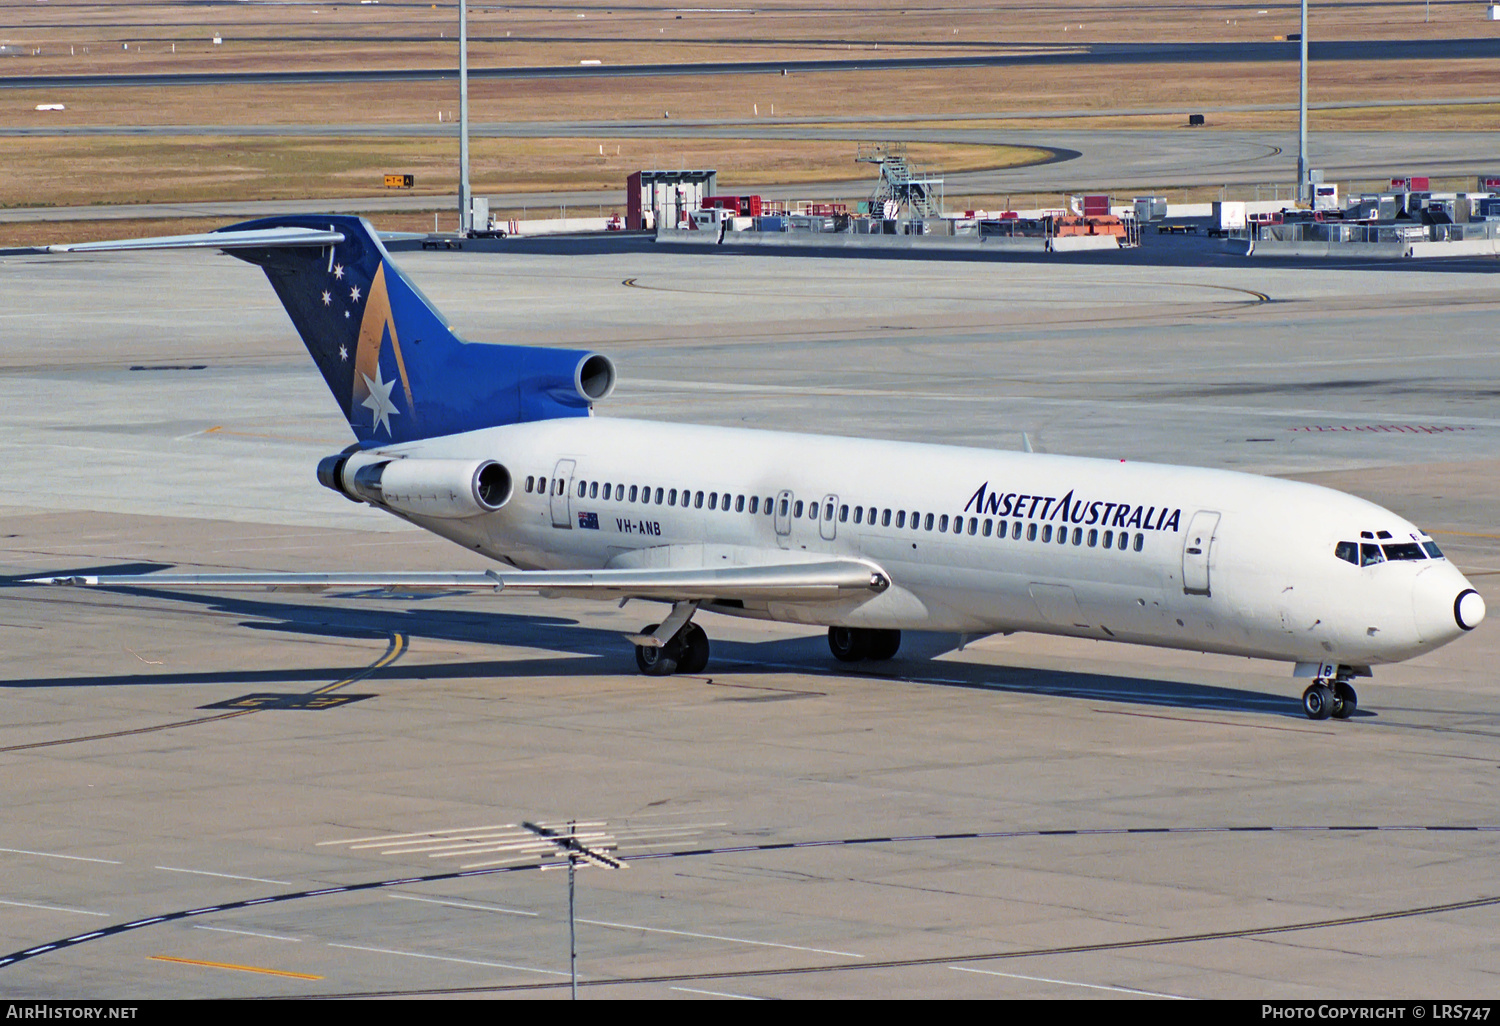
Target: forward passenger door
[
  {"x": 1197, "y": 548},
  {"x": 783, "y": 519},
  {"x": 562, "y": 494},
  {"x": 828, "y": 527}
]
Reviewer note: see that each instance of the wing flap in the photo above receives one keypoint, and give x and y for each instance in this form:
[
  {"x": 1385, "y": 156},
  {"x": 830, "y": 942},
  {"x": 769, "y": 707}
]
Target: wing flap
[{"x": 801, "y": 582}]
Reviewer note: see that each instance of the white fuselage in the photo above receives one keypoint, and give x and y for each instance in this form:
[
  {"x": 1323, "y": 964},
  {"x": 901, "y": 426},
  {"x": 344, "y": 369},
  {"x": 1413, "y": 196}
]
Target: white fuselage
[{"x": 972, "y": 540}]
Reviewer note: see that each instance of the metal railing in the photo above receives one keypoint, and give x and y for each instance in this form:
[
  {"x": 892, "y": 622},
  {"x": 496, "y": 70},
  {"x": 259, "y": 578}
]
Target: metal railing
[{"x": 1334, "y": 231}]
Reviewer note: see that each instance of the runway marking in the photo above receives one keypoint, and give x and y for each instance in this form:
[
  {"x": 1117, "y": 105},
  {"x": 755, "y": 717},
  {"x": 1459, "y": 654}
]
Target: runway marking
[
  {"x": 54, "y": 908},
  {"x": 226, "y": 876},
  {"x": 379, "y": 840},
  {"x": 54, "y": 855},
  {"x": 446, "y": 958},
  {"x": 1484, "y": 902},
  {"x": 717, "y": 937},
  {"x": 231, "y": 965},
  {"x": 126, "y": 733},
  {"x": 250, "y": 933},
  {"x": 220, "y": 429},
  {"x": 397, "y": 646},
  {"x": 719, "y": 993},
  {"x": 394, "y": 649},
  {"x": 909, "y": 963},
  {"x": 464, "y": 904},
  {"x": 265, "y": 700},
  {"x": 1299, "y": 412},
  {"x": 1056, "y": 690},
  {"x": 1070, "y": 983},
  {"x": 1221, "y": 723}
]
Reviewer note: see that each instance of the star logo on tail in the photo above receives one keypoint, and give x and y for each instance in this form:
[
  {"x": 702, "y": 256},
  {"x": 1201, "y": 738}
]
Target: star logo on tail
[{"x": 379, "y": 402}]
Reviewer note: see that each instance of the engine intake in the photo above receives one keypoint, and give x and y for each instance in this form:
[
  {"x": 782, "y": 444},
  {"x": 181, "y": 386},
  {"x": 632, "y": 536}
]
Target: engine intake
[{"x": 451, "y": 489}]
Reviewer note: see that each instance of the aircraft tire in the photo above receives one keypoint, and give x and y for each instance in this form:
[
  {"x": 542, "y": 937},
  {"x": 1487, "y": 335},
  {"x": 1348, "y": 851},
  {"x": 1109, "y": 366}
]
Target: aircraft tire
[
  {"x": 694, "y": 643},
  {"x": 1318, "y": 701},
  {"x": 1345, "y": 701},
  {"x": 884, "y": 644},
  {"x": 657, "y": 662},
  {"x": 849, "y": 644}
]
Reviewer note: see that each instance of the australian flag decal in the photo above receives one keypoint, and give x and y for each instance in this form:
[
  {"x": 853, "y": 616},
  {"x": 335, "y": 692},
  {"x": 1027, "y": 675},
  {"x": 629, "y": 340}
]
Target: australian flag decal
[{"x": 588, "y": 521}]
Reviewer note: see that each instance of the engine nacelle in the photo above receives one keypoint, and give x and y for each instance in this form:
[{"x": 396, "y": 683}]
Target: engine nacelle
[{"x": 451, "y": 489}]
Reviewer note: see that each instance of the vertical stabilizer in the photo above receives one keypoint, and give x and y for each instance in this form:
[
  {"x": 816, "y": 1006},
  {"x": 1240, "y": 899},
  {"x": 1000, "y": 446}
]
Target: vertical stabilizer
[{"x": 397, "y": 370}]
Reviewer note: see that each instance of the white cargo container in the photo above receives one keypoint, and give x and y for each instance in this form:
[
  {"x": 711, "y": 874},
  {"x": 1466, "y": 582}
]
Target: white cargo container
[{"x": 1230, "y": 214}]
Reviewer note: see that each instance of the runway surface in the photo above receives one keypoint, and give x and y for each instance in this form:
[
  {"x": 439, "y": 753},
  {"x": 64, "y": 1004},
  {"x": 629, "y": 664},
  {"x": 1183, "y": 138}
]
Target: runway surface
[
  {"x": 1013, "y": 55},
  {"x": 201, "y": 791}
]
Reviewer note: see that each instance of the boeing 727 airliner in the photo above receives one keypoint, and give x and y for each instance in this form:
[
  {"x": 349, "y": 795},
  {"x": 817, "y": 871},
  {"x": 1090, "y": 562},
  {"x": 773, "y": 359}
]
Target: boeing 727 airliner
[{"x": 497, "y": 449}]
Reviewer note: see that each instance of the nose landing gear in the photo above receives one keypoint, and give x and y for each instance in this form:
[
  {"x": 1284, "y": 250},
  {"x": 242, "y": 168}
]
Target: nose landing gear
[{"x": 1327, "y": 697}]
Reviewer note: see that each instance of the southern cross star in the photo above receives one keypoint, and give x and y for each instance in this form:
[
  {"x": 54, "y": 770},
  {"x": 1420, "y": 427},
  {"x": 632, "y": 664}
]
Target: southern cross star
[{"x": 379, "y": 401}]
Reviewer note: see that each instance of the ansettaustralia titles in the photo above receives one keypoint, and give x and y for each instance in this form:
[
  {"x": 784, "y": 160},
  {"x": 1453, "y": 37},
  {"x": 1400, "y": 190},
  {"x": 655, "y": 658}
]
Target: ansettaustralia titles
[{"x": 1067, "y": 510}]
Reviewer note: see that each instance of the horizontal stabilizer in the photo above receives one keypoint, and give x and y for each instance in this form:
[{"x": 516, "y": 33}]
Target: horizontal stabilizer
[
  {"x": 788, "y": 582},
  {"x": 212, "y": 240}
]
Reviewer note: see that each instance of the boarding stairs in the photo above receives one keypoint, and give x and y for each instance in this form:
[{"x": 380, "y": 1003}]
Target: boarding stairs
[{"x": 920, "y": 195}]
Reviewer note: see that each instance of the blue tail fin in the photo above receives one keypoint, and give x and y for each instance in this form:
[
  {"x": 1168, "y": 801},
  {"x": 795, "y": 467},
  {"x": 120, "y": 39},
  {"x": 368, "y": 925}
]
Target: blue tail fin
[{"x": 388, "y": 356}]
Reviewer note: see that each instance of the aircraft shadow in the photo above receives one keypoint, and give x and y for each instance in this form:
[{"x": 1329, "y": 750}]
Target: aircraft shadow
[{"x": 592, "y": 651}]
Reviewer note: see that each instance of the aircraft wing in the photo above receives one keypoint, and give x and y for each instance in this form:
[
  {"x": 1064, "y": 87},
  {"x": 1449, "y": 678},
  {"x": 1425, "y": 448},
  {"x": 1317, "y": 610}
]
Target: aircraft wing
[
  {"x": 797, "y": 582},
  {"x": 211, "y": 240}
]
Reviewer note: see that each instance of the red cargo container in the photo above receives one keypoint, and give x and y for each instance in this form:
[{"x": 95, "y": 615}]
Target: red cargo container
[
  {"x": 1410, "y": 184},
  {"x": 743, "y": 206},
  {"x": 1094, "y": 206}
]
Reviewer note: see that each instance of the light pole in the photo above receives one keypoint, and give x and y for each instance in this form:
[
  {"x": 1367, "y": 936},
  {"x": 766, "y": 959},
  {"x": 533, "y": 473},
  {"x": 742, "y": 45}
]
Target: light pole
[
  {"x": 1302, "y": 113},
  {"x": 465, "y": 206}
]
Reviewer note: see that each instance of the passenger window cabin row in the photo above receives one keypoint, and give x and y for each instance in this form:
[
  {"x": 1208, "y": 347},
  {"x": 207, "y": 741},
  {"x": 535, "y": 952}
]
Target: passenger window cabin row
[{"x": 796, "y": 509}]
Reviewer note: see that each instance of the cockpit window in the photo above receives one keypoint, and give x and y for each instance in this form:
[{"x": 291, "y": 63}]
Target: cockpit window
[
  {"x": 1348, "y": 552},
  {"x": 1403, "y": 550},
  {"x": 1433, "y": 550},
  {"x": 1370, "y": 555}
]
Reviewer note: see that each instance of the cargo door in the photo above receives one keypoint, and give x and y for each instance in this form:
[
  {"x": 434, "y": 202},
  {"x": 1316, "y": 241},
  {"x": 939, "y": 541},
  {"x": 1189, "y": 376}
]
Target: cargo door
[
  {"x": 1057, "y": 605},
  {"x": 1197, "y": 548},
  {"x": 562, "y": 495}
]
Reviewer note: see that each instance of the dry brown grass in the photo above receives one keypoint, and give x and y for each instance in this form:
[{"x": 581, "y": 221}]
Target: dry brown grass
[
  {"x": 72, "y": 171},
  {"x": 966, "y": 91},
  {"x": 44, "y": 233},
  {"x": 310, "y": 36},
  {"x": 349, "y": 35}
]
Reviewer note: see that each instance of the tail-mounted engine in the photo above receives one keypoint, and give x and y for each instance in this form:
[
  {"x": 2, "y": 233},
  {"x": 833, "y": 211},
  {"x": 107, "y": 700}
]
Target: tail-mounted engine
[{"x": 451, "y": 489}]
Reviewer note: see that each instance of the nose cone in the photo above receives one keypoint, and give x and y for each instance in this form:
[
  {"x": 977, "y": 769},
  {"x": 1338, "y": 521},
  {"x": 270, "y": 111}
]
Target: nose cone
[
  {"x": 1468, "y": 609},
  {"x": 1445, "y": 604}
]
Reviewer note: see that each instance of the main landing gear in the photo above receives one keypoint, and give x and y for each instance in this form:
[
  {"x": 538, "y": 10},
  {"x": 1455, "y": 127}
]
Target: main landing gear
[
  {"x": 851, "y": 644},
  {"x": 686, "y": 652},
  {"x": 685, "y": 649},
  {"x": 1330, "y": 697}
]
